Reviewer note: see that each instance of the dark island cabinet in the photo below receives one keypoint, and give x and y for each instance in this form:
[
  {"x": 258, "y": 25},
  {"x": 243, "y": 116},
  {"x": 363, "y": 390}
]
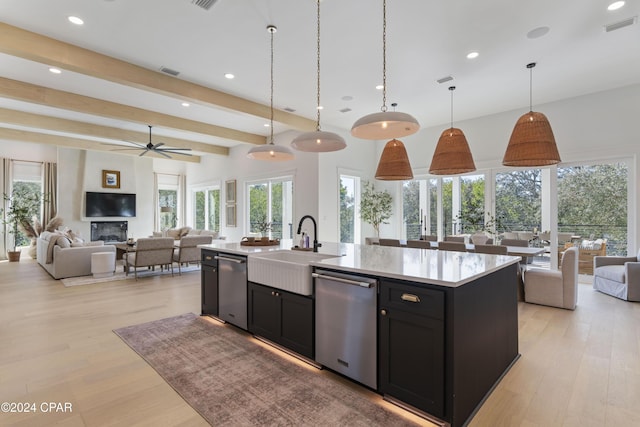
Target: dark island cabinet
[
  {"x": 282, "y": 317},
  {"x": 209, "y": 283},
  {"x": 412, "y": 346}
]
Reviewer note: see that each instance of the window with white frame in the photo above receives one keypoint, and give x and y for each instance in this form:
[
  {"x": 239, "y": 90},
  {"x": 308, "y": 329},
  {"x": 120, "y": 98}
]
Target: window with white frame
[
  {"x": 206, "y": 208},
  {"x": 270, "y": 207},
  {"x": 168, "y": 201},
  {"x": 349, "y": 203}
]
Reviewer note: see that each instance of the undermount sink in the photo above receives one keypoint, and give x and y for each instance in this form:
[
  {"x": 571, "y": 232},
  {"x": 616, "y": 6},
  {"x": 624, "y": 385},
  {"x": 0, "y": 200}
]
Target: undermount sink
[{"x": 286, "y": 270}]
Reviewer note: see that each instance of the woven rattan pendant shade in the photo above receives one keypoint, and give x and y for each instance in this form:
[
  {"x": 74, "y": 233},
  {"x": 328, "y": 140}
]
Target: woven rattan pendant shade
[
  {"x": 452, "y": 155},
  {"x": 394, "y": 163},
  {"x": 532, "y": 142}
]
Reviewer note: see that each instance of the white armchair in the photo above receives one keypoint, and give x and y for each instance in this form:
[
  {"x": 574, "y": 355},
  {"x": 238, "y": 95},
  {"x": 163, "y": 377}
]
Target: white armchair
[
  {"x": 558, "y": 288},
  {"x": 617, "y": 276}
]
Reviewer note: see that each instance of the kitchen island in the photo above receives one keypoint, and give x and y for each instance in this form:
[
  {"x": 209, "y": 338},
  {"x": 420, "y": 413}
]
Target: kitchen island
[{"x": 446, "y": 324}]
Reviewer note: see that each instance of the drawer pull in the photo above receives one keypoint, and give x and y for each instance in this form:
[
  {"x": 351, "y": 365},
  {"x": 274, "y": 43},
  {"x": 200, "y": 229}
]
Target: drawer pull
[
  {"x": 410, "y": 298},
  {"x": 208, "y": 257}
]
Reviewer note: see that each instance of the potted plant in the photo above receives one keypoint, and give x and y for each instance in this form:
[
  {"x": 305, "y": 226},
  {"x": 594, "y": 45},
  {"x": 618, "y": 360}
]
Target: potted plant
[
  {"x": 375, "y": 206},
  {"x": 21, "y": 204}
]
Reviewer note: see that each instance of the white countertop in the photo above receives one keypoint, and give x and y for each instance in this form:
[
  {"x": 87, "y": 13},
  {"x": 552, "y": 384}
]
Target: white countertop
[{"x": 444, "y": 268}]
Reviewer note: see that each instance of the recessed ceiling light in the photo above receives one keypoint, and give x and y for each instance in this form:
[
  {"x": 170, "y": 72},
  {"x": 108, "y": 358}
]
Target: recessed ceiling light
[
  {"x": 229, "y": 76},
  {"x": 472, "y": 55},
  {"x": 347, "y": 98},
  {"x": 185, "y": 104},
  {"x": 266, "y": 125},
  {"x": 615, "y": 5},
  {"x": 320, "y": 107},
  {"x": 75, "y": 20},
  {"x": 537, "y": 32},
  {"x": 55, "y": 70},
  {"x": 380, "y": 87}
]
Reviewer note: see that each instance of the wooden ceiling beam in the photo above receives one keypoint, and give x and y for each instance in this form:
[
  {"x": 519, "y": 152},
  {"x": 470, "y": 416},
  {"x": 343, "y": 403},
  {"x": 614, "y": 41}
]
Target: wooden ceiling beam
[
  {"x": 85, "y": 144},
  {"x": 39, "y": 121},
  {"x": 35, "y": 47},
  {"x": 28, "y": 92}
]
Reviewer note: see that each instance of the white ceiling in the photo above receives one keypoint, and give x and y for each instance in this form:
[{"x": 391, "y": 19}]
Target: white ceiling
[{"x": 426, "y": 40}]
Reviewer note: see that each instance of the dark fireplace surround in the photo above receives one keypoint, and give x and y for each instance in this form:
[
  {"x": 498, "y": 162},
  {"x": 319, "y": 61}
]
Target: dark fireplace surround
[{"x": 109, "y": 231}]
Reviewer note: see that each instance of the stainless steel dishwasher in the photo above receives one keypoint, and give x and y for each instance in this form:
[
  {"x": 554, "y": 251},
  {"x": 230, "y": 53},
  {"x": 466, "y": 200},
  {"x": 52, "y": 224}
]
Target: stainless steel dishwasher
[
  {"x": 346, "y": 337},
  {"x": 232, "y": 289}
]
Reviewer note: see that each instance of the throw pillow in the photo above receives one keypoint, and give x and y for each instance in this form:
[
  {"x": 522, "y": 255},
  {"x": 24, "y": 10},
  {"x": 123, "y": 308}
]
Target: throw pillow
[{"x": 63, "y": 242}]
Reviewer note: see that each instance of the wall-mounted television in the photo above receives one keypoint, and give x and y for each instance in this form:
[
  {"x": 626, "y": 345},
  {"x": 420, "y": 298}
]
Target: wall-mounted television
[{"x": 110, "y": 204}]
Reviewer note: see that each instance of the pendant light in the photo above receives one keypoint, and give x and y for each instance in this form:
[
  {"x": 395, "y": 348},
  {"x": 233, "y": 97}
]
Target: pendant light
[
  {"x": 386, "y": 124},
  {"x": 318, "y": 141},
  {"x": 270, "y": 151},
  {"x": 532, "y": 142},
  {"x": 452, "y": 155}
]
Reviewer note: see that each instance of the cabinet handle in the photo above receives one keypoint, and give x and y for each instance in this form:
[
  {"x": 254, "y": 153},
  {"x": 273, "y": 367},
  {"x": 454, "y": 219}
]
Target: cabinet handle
[
  {"x": 410, "y": 298},
  {"x": 273, "y": 294},
  {"x": 383, "y": 312},
  {"x": 208, "y": 258}
]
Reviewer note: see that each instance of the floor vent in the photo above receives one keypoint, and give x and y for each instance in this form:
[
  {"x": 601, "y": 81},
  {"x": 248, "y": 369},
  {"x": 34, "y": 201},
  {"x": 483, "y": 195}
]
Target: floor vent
[
  {"x": 205, "y": 4},
  {"x": 166, "y": 70},
  {"x": 621, "y": 24}
]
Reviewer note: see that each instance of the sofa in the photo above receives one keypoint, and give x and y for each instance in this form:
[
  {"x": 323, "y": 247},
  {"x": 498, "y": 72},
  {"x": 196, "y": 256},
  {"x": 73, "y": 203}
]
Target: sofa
[
  {"x": 63, "y": 256},
  {"x": 617, "y": 276}
]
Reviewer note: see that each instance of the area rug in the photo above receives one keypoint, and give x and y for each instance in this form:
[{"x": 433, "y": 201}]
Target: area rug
[
  {"x": 232, "y": 381},
  {"x": 119, "y": 275}
]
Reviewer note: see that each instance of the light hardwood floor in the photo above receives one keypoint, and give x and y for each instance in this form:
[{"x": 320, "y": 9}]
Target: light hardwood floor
[{"x": 578, "y": 368}]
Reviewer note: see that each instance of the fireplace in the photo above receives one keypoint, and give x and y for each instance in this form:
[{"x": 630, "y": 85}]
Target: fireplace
[{"x": 109, "y": 231}]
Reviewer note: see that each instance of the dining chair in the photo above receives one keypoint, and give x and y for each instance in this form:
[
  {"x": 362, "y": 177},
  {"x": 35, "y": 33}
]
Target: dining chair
[
  {"x": 520, "y": 243},
  {"x": 459, "y": 239},
  {"x": 491, "y": 249},
  {"x": 424, "y": 244},
  {"x": 390, "y": 242},
  {"x": 452, "y": 246}
]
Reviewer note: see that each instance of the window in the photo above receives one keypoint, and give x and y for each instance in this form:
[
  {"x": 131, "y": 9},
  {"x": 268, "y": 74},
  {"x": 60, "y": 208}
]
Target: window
[
  {"x": 472, "y": 212},
  {"x": 168, "y": 200},
  {"x": 348, "y": 205},
  {"x": 206, "y": 209},
  {"x": 27, "y": 182},
  {"x": 420, "y": 207},
  {"x": 518, "y": 200},
  {"x": 592, "y": 203},
  {"x": 270, "y": 208}
]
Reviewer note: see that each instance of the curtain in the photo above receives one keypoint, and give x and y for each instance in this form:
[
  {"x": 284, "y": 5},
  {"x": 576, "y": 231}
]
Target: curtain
[
  {"x": 182, "y": 195},
  {"x": 5, "y": 183},
  {"x": 156, "y": 203},
  {"x": 50, "y": 190}
]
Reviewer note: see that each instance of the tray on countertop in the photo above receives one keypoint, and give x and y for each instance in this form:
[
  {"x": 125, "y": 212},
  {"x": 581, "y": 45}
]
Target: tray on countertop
[{"x": 260, "y": 242}]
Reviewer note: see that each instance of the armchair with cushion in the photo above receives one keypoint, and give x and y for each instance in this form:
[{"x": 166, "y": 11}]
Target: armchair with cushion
[
  {"x": 187, "y": 250},
  {"x": 557, "y": 288},
  {"x": 617, "y": 276},
  {"x": 150, "y": 252}
]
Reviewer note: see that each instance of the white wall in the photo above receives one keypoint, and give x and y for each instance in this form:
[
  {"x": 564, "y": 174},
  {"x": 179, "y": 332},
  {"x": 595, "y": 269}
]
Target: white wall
[
  {"x": 216, "y": 169},
  {"x": 80, "y": 171}
]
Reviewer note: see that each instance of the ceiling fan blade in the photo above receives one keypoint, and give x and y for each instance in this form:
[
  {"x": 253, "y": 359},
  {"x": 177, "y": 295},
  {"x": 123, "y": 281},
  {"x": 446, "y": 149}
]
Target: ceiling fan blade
[
  {"x": 161, "y": 152},
  {"x": 175, "y": 149},
  {"x": 158, "y": 145},
  {"x": 174, "y": 152},
  {"x": 144, "y": 152}
]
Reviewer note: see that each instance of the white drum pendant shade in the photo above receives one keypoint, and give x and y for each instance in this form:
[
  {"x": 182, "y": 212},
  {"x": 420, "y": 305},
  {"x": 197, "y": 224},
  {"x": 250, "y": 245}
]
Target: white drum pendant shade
[{"x": 318, "y": 142}]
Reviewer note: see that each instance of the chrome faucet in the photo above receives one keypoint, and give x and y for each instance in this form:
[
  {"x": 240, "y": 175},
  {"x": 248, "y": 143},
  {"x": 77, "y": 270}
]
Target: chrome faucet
[{"x": 316, "y": 245}]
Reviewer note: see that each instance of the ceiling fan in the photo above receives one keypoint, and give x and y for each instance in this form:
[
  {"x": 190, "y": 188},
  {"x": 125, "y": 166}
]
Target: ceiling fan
[{"x": 156, "y": 148}]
